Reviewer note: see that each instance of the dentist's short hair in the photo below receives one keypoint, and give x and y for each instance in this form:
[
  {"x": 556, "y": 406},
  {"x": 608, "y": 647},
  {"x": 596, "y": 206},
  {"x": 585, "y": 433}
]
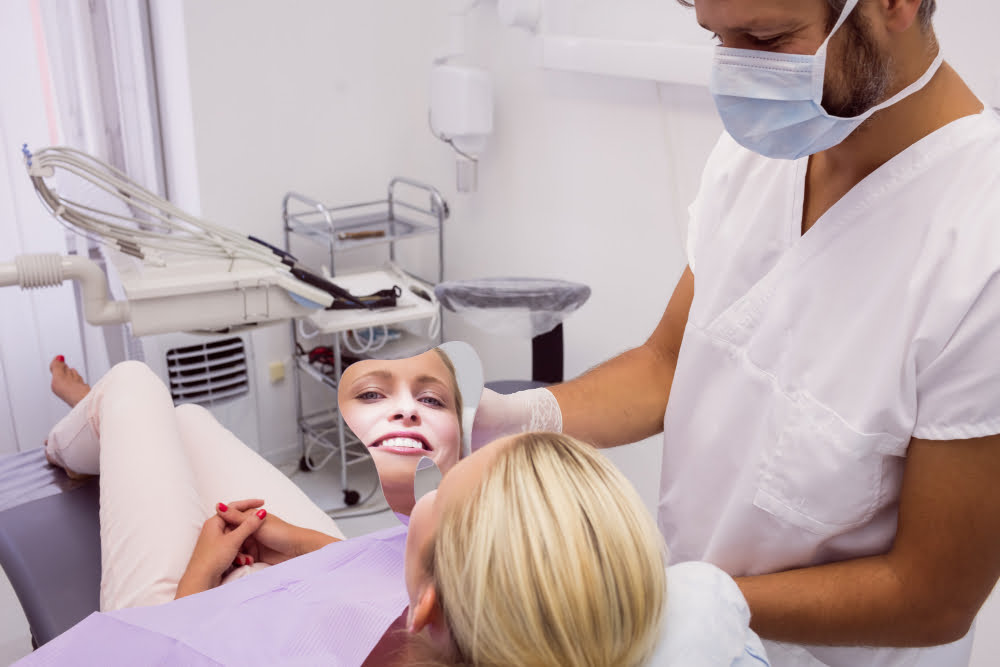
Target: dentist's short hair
[{"x": 925, "y": 14}]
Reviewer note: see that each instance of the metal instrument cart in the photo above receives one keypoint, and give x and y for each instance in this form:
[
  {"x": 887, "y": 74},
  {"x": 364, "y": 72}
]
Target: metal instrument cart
[{"x": 339, "y": 229}]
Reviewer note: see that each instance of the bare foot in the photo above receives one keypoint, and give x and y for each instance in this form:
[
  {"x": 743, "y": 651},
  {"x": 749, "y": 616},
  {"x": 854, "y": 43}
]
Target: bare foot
[{"x": 67, "y": 384}]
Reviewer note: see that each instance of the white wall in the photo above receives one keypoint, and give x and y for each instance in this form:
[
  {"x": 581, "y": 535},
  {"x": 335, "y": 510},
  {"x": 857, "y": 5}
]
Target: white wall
[
  {"x": 963, "y": 28},
  {"x": 586, "y": 178},
  {"x": 310, "y": 96}
]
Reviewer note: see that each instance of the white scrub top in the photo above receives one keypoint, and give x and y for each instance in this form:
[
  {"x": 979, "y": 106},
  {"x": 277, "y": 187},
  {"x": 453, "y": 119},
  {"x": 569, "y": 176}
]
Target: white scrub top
[{"x": 809, "y": 361}]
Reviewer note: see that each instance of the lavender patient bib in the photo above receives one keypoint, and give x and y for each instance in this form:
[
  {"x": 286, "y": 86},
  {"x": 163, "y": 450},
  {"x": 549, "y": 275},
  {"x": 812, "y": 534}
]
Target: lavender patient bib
[{"x": 329, "y": 607}]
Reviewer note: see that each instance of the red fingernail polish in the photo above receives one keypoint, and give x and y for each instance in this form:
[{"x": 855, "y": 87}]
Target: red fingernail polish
[
  {"x": 239, "y": 560},
  {"x": 223, "y": 508},
  {"x": 61, "y": 358},
  {"x": 261, "y": 513},
  {"x": 249, "y": 560}
]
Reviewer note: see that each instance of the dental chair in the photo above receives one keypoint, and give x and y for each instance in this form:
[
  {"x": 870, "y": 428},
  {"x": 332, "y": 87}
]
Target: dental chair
[
  {"x": 50, "y": 543},
  {"x": 523, "y": 307}
]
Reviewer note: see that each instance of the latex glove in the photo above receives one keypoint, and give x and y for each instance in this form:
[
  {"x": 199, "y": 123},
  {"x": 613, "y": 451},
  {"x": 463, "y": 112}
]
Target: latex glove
[
  {"x": 217, "y": 547},
  {"x": 499, "y": 414},
  {"x": 276, "y": 540}
]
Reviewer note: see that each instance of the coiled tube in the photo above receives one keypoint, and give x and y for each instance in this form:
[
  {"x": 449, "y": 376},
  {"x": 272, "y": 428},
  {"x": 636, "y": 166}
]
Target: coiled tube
[
  {"x": 35, "y": 271},
  {"x": 49, "y": 270}
]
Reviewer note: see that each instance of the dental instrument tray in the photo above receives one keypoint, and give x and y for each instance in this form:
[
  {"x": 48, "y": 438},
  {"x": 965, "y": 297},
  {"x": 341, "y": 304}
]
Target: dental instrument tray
[
  {"x": 368, "y": 223},
  {"x": 409, "y": 306}
]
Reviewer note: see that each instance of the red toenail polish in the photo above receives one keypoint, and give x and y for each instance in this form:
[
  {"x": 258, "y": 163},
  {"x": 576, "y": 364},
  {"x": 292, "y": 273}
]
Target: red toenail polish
[
  {"x": 261, "y": 514},
  {"x": 61, "y": 358},
  {"x": 223, "y": 507}
]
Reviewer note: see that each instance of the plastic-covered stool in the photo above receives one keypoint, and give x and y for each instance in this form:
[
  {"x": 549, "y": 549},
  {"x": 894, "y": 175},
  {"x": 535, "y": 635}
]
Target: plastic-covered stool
[
  {"x": 523, "y": 307},
  {"x": 50, "y": 543}
]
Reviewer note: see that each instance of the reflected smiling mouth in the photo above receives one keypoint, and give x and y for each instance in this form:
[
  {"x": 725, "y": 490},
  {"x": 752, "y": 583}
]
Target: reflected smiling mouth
[{"x": 407, "y": 441}]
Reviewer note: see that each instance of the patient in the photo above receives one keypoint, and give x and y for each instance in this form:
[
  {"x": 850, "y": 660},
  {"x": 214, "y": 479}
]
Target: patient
[
  {"x": 534, "y": 551},
  {"x": 404, "y": 410}
]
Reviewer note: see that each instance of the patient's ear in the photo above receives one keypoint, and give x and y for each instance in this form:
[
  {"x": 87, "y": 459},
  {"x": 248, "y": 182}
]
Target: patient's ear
[{"x": 427, "y": 613}]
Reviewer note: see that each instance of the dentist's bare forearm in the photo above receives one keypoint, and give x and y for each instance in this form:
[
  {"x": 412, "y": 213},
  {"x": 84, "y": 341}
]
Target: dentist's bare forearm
[
  {"x": 927, "y": 589},
  {"x": 623, "y": 400},
  {"x": 861, "y": 602},
  {"x": 618, "y": 402}
]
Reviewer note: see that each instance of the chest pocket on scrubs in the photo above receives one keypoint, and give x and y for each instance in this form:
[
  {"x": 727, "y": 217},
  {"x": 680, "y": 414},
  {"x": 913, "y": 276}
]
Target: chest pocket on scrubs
[{"x": 822, "y": 475}]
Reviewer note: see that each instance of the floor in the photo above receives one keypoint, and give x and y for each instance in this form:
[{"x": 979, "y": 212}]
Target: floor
[{"x": 323, "y": 486}]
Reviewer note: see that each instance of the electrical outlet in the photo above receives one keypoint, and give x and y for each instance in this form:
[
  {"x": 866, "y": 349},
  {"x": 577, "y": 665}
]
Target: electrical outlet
[{"x": 277, "y": 371}]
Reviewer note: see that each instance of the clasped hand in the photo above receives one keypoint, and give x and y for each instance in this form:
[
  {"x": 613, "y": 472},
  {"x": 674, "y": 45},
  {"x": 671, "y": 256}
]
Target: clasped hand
[
  {"x": 275, "y": 541},
  {"x": 237, "y": 534}
]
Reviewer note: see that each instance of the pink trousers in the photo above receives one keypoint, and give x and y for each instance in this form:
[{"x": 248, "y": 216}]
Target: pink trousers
[{"x": 162, "y": 472}]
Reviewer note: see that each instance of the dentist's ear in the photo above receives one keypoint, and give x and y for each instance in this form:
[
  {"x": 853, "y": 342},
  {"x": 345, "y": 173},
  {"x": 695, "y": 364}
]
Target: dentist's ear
[
  {"x": 900, "y": 15},
  {"x": 427, "y": 612}
]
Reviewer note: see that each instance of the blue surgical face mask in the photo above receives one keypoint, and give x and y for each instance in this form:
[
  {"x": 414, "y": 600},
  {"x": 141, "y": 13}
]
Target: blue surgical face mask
[{"x": 772, "y": 103}]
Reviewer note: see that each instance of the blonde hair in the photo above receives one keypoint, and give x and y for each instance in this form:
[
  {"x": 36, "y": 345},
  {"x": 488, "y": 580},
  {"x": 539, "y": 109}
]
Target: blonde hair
[
  {"x": 553, "y": 561},
  {"x": 446, "y": 360}
]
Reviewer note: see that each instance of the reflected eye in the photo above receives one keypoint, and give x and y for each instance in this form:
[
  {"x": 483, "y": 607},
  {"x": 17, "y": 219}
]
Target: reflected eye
[
  {"x": 369, "y": 395},
  {"x": 430, "y": 400}
]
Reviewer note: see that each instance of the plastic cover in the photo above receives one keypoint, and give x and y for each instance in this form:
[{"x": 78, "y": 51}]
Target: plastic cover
[{"x": 524, "y": 307}]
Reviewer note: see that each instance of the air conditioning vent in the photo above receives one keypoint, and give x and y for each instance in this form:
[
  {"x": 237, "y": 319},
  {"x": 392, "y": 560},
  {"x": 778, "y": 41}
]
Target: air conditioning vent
[{"x": 208, "y": 374}]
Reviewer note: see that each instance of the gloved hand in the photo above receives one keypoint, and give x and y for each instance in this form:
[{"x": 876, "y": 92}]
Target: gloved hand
[{"x": 499, "y": 415}]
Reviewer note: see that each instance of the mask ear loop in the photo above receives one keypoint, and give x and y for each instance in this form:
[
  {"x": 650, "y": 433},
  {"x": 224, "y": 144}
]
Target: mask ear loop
[
  {"x": 901, "y": 95},
  {"x": 819, "y": 72}
]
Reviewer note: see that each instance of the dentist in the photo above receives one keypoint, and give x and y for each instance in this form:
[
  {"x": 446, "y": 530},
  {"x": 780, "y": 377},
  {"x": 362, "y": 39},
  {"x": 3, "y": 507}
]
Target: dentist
[{"x": 829, "y": 354}]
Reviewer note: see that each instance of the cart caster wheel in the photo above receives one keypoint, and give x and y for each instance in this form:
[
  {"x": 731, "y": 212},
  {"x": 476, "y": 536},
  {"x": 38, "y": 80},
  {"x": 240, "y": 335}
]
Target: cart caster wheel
[
  {"x": 351, "y": 497},
  {"x": 305, "y": 464}
]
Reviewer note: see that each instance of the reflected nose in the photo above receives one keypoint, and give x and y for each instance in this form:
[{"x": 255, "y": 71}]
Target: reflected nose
[{"x": 406, "y": 411}]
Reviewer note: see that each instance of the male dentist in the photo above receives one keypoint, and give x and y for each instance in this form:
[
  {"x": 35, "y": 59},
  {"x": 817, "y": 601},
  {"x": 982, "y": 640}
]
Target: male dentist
[{"x": 830, "y": 352}]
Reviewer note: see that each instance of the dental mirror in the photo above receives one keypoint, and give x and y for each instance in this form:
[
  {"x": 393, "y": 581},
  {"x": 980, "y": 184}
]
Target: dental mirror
[{"x": 414, "y": 416}]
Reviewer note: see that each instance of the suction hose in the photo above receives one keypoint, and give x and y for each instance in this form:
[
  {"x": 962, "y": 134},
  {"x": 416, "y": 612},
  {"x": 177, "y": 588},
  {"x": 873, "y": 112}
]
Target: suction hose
[{"x": 49, "y": 270}]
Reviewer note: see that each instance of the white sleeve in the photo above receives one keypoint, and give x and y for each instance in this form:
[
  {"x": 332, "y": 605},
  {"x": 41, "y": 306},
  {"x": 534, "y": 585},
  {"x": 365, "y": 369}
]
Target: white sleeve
[
  {"x": 712, "y": 179},
  {"x": 692, "y": 230},
  {"x": 958, "y": 392}
]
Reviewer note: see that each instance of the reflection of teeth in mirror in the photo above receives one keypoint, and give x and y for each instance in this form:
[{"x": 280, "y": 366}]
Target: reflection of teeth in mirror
[
  {"x": 401, "y": 443},
  {"x": 368, "y": 395}
]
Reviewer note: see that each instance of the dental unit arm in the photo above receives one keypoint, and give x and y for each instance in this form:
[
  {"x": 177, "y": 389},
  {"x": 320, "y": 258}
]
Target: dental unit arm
[
  {"x": 178, "y": 273},
  {"x": 206, "y": 296}
]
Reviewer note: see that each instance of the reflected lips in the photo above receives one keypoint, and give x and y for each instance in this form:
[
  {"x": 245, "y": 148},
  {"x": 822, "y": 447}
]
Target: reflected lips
[{"x": 403, "y": 442}]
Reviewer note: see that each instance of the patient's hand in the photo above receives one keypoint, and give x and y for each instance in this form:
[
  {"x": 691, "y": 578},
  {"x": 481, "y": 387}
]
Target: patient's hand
[
  {"x": 217, "y": 547},
  {"x": 276, "y": 540}
]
